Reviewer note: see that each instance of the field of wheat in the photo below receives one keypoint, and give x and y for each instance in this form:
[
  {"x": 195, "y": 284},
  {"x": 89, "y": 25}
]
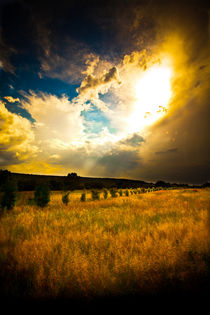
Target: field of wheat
[{"x": 138, "y": 244}]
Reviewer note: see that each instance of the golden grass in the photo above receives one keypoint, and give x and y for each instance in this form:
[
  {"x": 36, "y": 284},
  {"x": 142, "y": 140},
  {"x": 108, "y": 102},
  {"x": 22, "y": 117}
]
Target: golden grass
[{"x": 125, "y": 244}]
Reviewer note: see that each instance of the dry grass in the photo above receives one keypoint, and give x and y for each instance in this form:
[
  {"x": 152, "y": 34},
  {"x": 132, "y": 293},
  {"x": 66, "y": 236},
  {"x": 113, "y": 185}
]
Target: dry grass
[{"x": 140, "y": 243}]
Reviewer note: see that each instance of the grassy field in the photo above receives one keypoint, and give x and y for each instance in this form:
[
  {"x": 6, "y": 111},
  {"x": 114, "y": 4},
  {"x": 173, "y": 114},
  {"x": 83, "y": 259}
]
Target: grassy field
[{"x": 141, "y": 244}]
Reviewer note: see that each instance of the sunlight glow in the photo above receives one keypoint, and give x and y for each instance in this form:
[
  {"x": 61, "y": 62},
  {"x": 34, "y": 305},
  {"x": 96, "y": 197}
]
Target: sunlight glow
[{"x": 153, "y": 91}]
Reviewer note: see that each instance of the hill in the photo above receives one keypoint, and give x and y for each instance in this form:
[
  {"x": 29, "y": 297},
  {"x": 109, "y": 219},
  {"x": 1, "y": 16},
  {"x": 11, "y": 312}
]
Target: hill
[{"x": 28, "y": 182}]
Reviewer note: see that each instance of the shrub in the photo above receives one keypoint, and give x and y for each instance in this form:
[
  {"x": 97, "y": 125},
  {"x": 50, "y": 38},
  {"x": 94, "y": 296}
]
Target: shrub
[
  {"x": 105, "y": 194},
  {"x": 120, "y": 192},
  {"x": 42, "y": 195},
  {"x": 113, "y": 192},
  {"x": 95, "y": 195},
  {"x": 9, "y": 197},
  {"x": 83, "y": 196},
  {"x": 65, "y": 198},
  {"x": 31, "y": 201},
  {"x": 127, "y": 192}
]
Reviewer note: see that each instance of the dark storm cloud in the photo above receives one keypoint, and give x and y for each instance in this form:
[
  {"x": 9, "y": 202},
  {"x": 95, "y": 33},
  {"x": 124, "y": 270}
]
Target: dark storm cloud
[
  {"x": 7, "y": 158},
  {"x": 110, "y": 28},
  {"x": 67, "y": 65},
  {"x": 167, "y": 151},
  {"x": 5, "y": 53},
  {"x": 189, "y": 160},
  {"x": 37, "y": 30},
  {"x": 69, "y": 33},
  {"x": 119, "y": 162},
  {"x": 62, "y": 34}
]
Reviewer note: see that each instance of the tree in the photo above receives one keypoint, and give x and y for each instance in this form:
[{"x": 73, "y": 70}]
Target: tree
[
  {"x": 161, "y": 183},
  {"x": 95, "y": 195},
  {"x": 113, "y": 192},
  {"x": 72, "y": 175},
  {"x": 105, "y": 193},
  {"x": 83, "y": 196},
  {"x": 65, "y": 198},
  {"x": 42, "y": 195},
  {"x": 9, "y": 195},
  {"x": 120, "y": 192}
]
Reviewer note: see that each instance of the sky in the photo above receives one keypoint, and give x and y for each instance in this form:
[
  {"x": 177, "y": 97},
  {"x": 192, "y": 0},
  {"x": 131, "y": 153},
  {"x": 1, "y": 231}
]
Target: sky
[{"x": 106, "y": 88}]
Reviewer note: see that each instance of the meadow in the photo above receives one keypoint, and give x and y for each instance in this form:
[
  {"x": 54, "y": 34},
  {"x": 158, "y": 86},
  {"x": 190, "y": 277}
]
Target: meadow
[{"x": 142, "y": 244}]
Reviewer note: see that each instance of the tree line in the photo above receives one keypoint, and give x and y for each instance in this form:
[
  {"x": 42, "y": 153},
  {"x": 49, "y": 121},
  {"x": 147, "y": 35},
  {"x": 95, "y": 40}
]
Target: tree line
[
  {"x": 9, "y": 187},
  {"x": 28, "y": 182},
  {"x": 42, "y": 194}
]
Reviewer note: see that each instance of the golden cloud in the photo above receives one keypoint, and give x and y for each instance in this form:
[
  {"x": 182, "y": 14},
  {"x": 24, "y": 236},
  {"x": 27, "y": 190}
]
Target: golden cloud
[
  {"x": 17, "y": 135},
  {"x": 11, "y": 99}
]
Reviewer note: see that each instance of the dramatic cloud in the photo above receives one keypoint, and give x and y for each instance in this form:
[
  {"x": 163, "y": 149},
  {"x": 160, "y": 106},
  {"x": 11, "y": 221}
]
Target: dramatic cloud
[
  {"x": 109, "y": 88},
  {"x": 91, "y": 85}
]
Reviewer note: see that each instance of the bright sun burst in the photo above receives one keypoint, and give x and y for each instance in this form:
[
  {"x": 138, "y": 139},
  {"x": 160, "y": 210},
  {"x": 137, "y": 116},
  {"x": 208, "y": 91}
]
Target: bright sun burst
[{"x": 153, "y": 91}]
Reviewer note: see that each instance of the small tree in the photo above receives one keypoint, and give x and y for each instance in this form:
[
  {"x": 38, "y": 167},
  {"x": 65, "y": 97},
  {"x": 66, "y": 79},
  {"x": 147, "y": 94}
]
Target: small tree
[
  {"x": 72, "y": 175},
  {"x": 65, "y": 198},
  {"x": 42, "y": 195},
  {"x": 113, "y": 192},
  {"x": 120, "y": 192},
  {"x": 105, "y": 193},
  {"x": 95, "y": 195},
  {"x": 9, "y": 195},
  {"x": 127, "y": 192},
  {"x": 83, "y": 197}
]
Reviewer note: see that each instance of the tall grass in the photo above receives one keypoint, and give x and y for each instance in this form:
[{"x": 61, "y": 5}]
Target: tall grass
[{"x": 114, "y": 246}]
